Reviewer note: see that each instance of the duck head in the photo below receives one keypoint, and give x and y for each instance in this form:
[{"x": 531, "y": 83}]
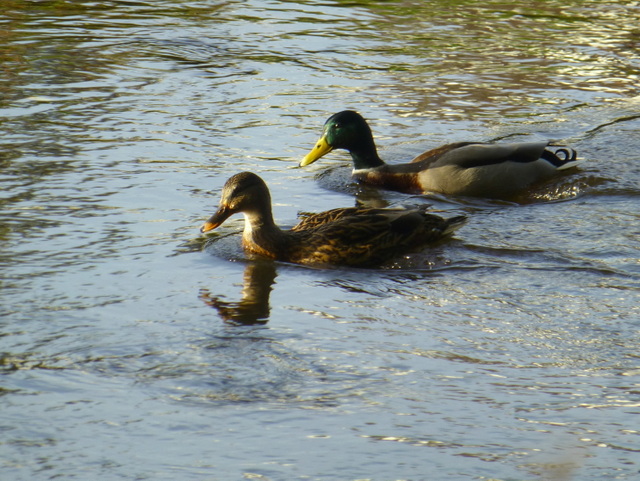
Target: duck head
[
  {"x": 345, "y": 130},
  {"x": 244, "y": 192}
]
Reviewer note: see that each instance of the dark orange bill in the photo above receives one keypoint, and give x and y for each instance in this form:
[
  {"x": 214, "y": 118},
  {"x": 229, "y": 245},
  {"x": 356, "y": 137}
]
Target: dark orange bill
[{"x": 216, "y": 219}]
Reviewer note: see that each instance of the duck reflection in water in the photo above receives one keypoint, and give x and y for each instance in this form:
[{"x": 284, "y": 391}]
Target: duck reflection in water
[{"x": 253, "y": 308}]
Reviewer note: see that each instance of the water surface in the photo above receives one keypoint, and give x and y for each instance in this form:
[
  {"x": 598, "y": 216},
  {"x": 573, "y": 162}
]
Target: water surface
[{"x": 134, "y": 348}]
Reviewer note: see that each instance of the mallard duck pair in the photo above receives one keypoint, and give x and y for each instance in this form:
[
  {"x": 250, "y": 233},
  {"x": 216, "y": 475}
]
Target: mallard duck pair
[
  {"x": 368, "y": 237},
  {"x": 348, "y": 236}
]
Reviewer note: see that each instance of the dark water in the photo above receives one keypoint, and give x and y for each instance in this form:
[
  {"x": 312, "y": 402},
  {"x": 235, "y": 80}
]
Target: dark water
[{"x": 134, "y": 348}]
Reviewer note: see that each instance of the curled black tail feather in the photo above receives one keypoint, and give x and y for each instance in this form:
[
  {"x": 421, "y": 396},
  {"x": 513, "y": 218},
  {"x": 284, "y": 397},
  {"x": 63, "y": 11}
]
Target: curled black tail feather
[
  {"x": 560, "y": 156},
  {"x": 454, "y": 223}
]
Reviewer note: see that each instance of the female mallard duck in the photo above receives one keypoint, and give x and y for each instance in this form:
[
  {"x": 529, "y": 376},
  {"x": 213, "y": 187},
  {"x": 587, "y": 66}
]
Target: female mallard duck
[
  {"x": 462, "y": 168},
  {"x": 349, "y": 236}
]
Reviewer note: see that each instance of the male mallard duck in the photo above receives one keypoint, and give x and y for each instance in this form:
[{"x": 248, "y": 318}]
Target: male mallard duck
[
  {"x": 462, "y": 168},
  {"x": 349, "y": 236}
]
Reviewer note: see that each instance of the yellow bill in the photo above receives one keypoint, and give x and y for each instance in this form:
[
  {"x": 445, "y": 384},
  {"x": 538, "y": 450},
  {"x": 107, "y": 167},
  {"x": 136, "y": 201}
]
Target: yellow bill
[{"x": 322, "y": 148}]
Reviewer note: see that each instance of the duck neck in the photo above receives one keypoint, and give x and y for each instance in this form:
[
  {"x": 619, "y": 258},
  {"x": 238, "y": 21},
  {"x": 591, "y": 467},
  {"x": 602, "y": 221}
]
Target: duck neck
[
  {"x": 261, "y": 234},
  {"x": 366, "y": 156}
]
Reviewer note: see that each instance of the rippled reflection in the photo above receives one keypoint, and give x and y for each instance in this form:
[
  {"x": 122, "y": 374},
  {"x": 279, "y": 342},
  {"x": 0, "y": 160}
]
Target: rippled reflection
[
  {"x": 253, "y": 308},
  {"x": 499, "y": 59}
]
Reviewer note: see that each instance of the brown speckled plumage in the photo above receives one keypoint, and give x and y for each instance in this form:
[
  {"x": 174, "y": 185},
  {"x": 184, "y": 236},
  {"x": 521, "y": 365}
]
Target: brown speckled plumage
[{"x": 348, "y": 236}]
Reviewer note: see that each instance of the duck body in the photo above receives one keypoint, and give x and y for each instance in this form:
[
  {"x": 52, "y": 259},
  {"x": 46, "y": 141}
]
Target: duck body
[
  {"x": 463, "y": 168},
  {"x": 348, "y": 236}
]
